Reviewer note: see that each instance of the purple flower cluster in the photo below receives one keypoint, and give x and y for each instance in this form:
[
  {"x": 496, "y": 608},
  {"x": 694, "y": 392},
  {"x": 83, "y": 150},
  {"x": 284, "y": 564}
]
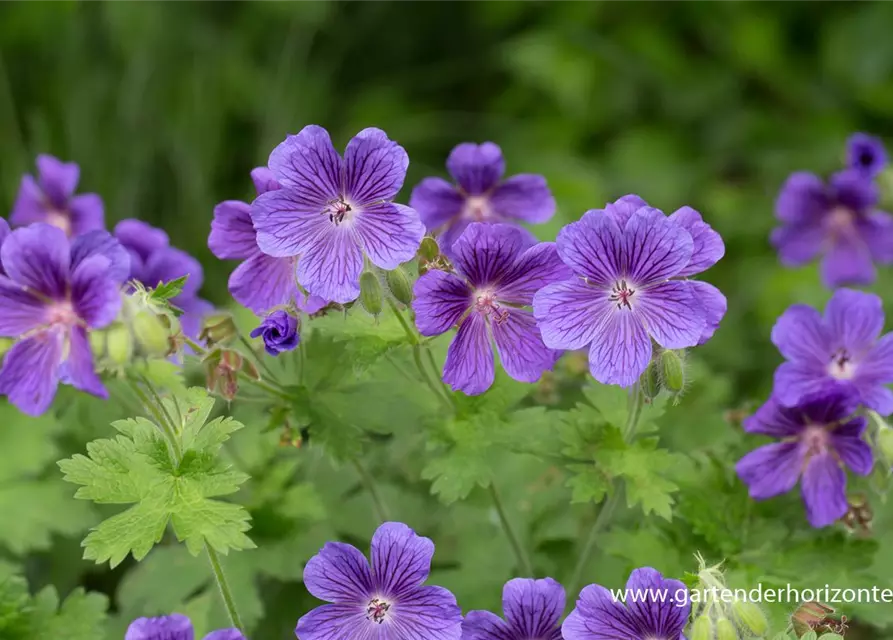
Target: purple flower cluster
[
  {"x": 837, "y": 219},
  {"x": 387, "y": 601},
  {"x": 173, "y": 627},
  {"x": 61, "y": 276}
]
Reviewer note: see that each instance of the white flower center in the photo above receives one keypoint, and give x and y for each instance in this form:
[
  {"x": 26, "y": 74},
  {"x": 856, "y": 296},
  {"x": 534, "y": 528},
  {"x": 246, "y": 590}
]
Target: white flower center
[
  {"x": 814, "y": 439},
  {"x": 622, "y": 294},
  {"x": 477, "y": 208},
  {"x": 842, "y": 366},
  {"x": 841, "y": 221},
  {"x": 61, "y": 313},
  {"x": 486, "y": 303},
  {"x": 377, "y": 610},
  {"x": 59, "y": 219},
  {"x": 339, "y": 210}
]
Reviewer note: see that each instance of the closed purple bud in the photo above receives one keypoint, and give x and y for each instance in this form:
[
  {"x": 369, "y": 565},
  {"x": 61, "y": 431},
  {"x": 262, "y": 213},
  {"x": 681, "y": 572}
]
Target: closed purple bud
[{"x": 279, "y": 331}]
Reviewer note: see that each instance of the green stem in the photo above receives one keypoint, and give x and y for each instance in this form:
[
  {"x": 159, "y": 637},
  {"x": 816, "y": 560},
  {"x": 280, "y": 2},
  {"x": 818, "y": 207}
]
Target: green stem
[
  {"x": 634, "y": 414},
  {"x": 225, "y": 591},
  {"x": 260, "y": 361},
  {"x": 521, "y": 555},
  {"x": 161, "y": 421},
  {"x": 381, "y": 511}
]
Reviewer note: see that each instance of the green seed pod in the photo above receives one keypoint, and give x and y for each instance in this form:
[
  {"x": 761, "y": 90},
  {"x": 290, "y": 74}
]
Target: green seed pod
[
  {"x": 399, "y": 284},
  {"x": 672, "y": 372},
  {"x": 151, "y": 333},
  {"x": 702, "y": 629},
  {"x": 885, "y": 443},
  {"x": 370, "y": 293},
  {"x": 750, "y": 617},
  {"x": 725, "y": 630},
  {"x": 650, "y": 381},
  {"x": 119, "y": 344},
  {"x": 97, "y": 344},
  {"x": 429, "y": 249}
]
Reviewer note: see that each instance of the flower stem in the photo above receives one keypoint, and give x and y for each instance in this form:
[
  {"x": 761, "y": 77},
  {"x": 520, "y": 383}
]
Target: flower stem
[
  {"x": 634, "y": 414},
  {"x": 521, "y": 555},
  {"x": 167, "y": 429},
  {"x": 225, "y": 591},
  {"x": 378, "y": 505}
]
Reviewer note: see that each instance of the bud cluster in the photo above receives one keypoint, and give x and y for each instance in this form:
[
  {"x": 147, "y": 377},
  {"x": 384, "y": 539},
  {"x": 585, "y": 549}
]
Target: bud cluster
[
  {"x": 715, "y": 617},
  {"x": 665, "y": 371}
]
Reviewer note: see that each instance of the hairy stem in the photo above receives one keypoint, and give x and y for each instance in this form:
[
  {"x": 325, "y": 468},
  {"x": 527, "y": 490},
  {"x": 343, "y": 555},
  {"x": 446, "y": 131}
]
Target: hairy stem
[
  {"x": 378, "y": 505},
  {"x": 634, "y": 414},
  {"x": 225, "y": 591},
  {"x": 520, "y": 554}
]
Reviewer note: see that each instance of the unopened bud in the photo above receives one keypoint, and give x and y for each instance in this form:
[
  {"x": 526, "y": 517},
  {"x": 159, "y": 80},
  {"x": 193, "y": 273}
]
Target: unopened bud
[
  {"x": 429, "y": 249},
  {"x": 725, "y": 630},
  {"x": 370, "y": 293},
  {"x": 119, "y": 344},
  {"x": 5, "y": 345},
  {"x": 218, "y": 328},
  {"x": 152, "y": 333},
  {"x": 702, "y": 629},
  {"x": 399, "y": 285},
  {"x": 97, "y": 344},
  {"x": 750, "y": 617},
  {"x": 672, "y": 372},
  {"x": 650, "y": 381},
  {"x": 885, "y": 443},
  {"x": 222, "y": 368}
]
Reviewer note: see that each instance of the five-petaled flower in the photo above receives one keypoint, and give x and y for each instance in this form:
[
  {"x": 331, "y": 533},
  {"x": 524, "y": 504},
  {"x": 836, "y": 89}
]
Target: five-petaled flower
[
  {"x": 279, "y": 331},
  {"x": 479, "y": 195},
  {"x": 261, "y": 282},
  {"x": 498, "y": 270},
  {"x": 54, "y": 291},
  {"x": 630, "y": 264},
  {"x": 866, "y": 154},
  {"x": 656, "y": 607},
  {"x": 332, "y": 211},
  {"x": 153, "y": 261},
  {"x": 817, "y": 437},
  {"x": 838, "y": 220},
  {"x": 386, "y": 601},
  {"x": 50, "y": 198},
  {"x": 173, "y": 627},
  {"x": 532, "y": 609},
  {"x": 843, "y": 347}
]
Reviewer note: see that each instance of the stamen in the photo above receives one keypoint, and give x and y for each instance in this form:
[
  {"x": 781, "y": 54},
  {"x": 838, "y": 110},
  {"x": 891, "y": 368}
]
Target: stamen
[
  {"x": 377, "y": 610},
  {"x": 622, "y": 295},
  {"x": 815, "y": 440},
  {"x": 477, "y": 208},
  {"x": 487, "y": 305},
  {"x": 337, "y": 210},
  {"x": 842, "y": 366}
]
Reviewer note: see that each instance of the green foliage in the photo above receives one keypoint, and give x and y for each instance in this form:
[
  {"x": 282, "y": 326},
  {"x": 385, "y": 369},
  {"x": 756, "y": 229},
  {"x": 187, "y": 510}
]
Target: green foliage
[
  {"x": 81, "y": 616},
  {"x": 139, "y": 467}
]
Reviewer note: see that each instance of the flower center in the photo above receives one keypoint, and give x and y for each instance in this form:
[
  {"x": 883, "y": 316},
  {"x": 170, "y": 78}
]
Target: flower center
[
  {"x": 842, "y": 366},
  {"x": 377, "y": 610},
  {"x": 477, "y": 208},
  {"x": 841, "y": 221},
  {"x": 61, "y": 313},
  {"x": 622, "y": 294},
  {"x": 59, "y": 219},
  {"x": 338, "y": 210},
  {"x": 486, "y": 304},
  {"x": 815, "y": 440}
]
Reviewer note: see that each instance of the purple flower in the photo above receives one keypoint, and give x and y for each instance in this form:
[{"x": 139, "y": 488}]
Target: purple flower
[
  {"x": 817, "y": 437},
  {"x": 866, "y": 154},
  {"x": 479, "y": 195},
  {"x": 4, "y": 233},
  {"x": 388, "y": 601},
  {"x": 261, "y": 282},
  {"x": 843, "y": 347},
  {"x": 153, "y": 260},
  {"x": 837, "y": 220},
  {"x": 332, "y": 211},
  {"x": 603, "y": 615},
  {"x": 279, "y": 331},
  {"x": 53, "y": 293},
  {"x": 497, "y": 272},
  {"x": 173, "y": 627},
  {"x": 629, "y": 262},
  {"x": 50, "y": 198},
  {"x": 532, "y": 610}
]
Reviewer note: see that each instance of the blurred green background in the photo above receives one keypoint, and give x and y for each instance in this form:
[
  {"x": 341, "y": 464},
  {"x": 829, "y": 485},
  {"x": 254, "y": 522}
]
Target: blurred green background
[{"x": 167, "y": 106}]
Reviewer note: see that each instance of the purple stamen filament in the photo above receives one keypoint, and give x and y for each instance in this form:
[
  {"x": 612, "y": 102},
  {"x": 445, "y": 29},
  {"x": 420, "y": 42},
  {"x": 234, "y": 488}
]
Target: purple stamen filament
[
  {"x": 337, "y": 210},
  {"x": 486, "y": 304},
  {"x": 622, "y": 294}
]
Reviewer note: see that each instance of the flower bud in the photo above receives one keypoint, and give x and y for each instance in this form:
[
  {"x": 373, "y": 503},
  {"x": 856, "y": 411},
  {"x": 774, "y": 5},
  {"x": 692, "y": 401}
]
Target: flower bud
[
  {"x": 750, "y": 617},
  {"x": 5, "y": 345},
  {"x": 650, "y": 381},
  {"x": 672, "y": 372},
  {"x": 152, "y": 333},
  {"x": 429, "y": 249},
  {"x": 702, "y": 629},
  {"x": 218, "y": 328},
  {"x": 97, "y": 344},
  {"x": 370, "y": 293},
  {"x": 119, "y": 344},
  {"x": 399, "y": 284},
  {"x": 725, "y": 630},
  {"x": 222, "y": 368},
  {"x": 885, "y": 443}
]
